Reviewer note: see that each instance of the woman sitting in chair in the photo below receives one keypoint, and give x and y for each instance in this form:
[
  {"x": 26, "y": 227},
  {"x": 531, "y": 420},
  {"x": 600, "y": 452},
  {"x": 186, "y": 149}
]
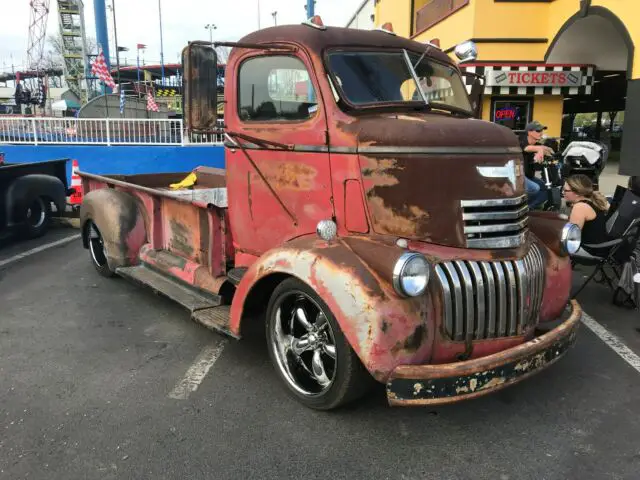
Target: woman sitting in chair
[{"x": 589, "y": 212}]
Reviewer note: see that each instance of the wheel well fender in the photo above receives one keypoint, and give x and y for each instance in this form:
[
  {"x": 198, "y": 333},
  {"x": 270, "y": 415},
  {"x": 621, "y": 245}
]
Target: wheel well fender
[
  {"x": 119, "y": 218},
  {"x": 547, "y": 226},
  {"x": 383, "y": 329},
  {"x": 24, "y": 190}
]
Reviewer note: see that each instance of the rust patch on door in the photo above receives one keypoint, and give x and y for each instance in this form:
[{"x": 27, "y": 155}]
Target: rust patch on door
[{"x": 291, "y": 176}]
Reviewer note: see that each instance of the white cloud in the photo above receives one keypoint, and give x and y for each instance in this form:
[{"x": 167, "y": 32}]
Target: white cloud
[{"x": 182, "y": 20}]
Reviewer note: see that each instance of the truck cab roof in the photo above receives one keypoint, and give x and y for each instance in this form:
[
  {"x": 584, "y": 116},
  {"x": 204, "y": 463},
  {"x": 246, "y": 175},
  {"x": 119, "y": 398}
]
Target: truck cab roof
[{"x": 319, "y": 40}]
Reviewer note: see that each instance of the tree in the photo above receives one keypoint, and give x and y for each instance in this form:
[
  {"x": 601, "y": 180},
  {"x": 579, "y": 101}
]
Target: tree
[{"x": 53, "y": 55}]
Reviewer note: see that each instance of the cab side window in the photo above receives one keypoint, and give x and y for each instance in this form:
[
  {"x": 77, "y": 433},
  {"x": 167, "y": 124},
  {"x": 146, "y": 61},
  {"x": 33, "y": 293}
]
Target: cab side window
[{"x": 275, "y": 88}]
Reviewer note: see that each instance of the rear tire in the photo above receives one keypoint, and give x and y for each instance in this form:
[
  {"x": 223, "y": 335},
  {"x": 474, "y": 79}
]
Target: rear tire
[
  {"x": 36, "y": 218},
  {"x": 97, "y": 252},
  {"x": 309, "y": 351}
]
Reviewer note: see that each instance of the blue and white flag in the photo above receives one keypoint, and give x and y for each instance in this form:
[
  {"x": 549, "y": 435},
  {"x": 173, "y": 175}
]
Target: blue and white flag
[{"x": 121, "y": 100}]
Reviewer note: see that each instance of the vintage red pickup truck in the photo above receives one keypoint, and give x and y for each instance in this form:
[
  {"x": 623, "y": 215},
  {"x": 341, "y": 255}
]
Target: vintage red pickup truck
[{"x": 378, "y": 229}]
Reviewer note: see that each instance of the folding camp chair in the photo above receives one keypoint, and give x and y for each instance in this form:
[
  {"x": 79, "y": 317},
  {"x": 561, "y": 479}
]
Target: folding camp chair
[{"x": 621, "y": 251}]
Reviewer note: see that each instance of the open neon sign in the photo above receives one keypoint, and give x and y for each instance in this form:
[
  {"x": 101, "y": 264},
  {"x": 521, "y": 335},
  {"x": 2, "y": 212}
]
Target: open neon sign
[{"x": 506, "y": 113}]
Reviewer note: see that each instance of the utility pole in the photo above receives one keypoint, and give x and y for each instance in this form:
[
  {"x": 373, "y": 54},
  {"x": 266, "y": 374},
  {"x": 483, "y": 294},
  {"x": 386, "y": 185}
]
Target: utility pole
[
  {"x": 258, "y": 14},
  {"x": 275, "y": 17},
  {"x": 161, "y": 44},
  {"x": 115, "y": 37}
]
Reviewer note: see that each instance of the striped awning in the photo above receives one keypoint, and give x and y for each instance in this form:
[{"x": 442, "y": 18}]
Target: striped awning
[{"x": 533, "y": 79}]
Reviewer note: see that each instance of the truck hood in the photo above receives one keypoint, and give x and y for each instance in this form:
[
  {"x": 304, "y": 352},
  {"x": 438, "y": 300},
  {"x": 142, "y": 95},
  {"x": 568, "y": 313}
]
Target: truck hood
[{"x": 421, "y": 173}]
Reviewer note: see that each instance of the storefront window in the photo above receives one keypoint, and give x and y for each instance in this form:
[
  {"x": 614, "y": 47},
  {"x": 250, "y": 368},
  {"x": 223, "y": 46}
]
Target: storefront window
[{"x": 514, "y": 114}]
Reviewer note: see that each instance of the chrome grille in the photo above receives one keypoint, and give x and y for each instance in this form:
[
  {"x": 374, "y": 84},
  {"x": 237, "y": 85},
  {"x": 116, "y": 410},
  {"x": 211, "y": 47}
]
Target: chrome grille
[
  {"x": 491, "y": 299},
  {"x": 496, "y": 223}
]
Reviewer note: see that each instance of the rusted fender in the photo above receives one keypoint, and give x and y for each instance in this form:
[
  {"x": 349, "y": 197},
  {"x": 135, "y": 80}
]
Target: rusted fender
[
  {"x": 354, "y": 280},
  {"x": 547, "y": 226},
  {"x": 120, "y": 222}
]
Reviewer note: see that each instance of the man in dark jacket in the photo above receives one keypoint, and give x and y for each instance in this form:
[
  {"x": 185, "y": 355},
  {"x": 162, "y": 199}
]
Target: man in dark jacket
[{"x": 533, "y": 153}]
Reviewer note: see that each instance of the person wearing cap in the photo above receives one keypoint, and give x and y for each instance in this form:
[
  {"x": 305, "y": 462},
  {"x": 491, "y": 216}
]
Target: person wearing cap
[{"x": 533, "y": 152}]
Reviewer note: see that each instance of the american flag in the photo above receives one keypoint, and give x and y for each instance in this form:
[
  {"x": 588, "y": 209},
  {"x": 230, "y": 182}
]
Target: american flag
[
  {"x": 152, "y": 106},
  {"x": 100, "y": 70}
]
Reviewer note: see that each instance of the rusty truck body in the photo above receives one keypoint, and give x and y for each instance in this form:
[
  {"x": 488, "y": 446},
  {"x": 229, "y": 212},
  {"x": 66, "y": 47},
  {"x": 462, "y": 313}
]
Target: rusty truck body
[{"x": 378, "y": 229}]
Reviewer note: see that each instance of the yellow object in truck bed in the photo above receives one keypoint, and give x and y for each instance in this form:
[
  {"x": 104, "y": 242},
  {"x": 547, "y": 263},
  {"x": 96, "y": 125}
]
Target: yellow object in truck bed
[{"x": 189, "y": 181}]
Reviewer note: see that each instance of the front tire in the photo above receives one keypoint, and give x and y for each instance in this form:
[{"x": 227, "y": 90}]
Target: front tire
[
  {"x": 309, "y": 351},
  {"x": 97, "y": 252}
]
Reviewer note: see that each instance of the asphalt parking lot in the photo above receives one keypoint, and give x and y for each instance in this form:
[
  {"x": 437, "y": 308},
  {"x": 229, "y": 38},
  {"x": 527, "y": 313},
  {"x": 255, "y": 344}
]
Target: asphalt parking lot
[{"x": 89, "y": 369}]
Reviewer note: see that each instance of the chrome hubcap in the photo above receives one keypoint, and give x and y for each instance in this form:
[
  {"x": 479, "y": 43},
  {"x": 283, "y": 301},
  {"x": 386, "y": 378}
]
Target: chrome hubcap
[
  {"x": 96, "y": 246},
  {"x": 304, "y": 344},
  {"x": 36, "y": 213}
]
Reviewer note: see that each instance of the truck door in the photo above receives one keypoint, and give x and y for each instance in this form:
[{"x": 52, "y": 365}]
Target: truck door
[{"x": 279, "y": 184}]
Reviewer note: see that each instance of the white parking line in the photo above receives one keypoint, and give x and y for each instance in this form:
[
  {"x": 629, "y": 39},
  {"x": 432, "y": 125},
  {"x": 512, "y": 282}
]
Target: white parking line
[
  {"x": 612, "y": 341},
  {"x": 196, "y": 372},
  {"x": 39, "y": 249}
]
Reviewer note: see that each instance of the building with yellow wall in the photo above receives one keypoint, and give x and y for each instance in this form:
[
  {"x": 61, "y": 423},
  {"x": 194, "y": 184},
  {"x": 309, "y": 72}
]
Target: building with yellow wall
[{"x": 540, "y": 59}]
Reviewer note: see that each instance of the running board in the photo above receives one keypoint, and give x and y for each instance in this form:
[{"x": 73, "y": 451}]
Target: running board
[{"x": 206, "y": 309}]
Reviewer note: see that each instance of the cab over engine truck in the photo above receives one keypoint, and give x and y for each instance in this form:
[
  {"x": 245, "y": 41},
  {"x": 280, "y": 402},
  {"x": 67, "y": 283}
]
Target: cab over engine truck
[{"x": 377, "y": 227}]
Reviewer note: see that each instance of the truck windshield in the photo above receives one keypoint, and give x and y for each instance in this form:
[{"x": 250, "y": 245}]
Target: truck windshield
[{"x": 369, "y": 78}]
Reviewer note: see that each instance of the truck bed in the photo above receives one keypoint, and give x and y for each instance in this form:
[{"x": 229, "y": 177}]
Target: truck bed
[
  {"x": 210, "y": 188},
  {"x": 55, "y": 168},
  {"x": 181, "y": 243}
]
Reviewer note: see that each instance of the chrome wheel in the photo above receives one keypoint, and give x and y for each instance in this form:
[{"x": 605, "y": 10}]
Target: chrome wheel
[
  {"x": 304, "y": 344},
  {"x": 96, "y": 246},
  {"x": 36, "y": 213}
]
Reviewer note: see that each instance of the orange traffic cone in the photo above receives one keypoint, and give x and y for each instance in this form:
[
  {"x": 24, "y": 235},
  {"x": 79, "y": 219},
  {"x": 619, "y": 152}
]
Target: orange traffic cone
[{"x": 76, "y": 184}]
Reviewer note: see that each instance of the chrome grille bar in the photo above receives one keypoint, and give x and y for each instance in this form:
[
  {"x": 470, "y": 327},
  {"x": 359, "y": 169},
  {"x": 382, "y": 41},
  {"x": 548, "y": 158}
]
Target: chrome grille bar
[
  {"x": 501, "y": 291},
  {"x": 447, "y": 305},
  {"x": 503, "y": 227},
  {"x": 512, "y": 299},
  {"x": 524, "y": 286},
  {"x": 539, "y": 280},
  {"x": 496, "y": 202},
  {"x": 480, "y": 300},
  {"x": 491, "y": 299},
  {"x": 458, "y": 312},
  {"x": 495, "y": 223},
  {"x": 497, "y": 215},
  {"x": 468, "y": 298}
]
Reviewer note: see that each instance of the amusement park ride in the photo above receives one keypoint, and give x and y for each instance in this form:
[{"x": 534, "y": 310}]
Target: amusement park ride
[
  {"x": 32, "y": 83},
  {"x": 73, "y": 52}
]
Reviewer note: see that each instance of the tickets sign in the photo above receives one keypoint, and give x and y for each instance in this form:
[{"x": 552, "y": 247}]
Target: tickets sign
[{"x": 501, "y": 78}]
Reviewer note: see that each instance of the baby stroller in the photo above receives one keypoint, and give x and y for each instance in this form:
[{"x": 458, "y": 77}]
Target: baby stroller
[{"x": 586, "y": 157}]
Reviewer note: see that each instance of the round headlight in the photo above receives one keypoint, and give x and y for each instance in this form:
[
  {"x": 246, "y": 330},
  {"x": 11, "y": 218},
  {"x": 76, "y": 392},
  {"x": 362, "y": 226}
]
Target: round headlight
[
  {"x": 411, "y": 275},
  {"x": 571, "y": 238}
]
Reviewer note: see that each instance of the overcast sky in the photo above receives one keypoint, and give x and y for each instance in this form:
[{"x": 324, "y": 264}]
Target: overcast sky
[{"x": 182, "y": 20}]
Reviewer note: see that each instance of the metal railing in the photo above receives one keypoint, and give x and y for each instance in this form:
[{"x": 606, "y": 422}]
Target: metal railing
[{"x": 100, "y": 131}]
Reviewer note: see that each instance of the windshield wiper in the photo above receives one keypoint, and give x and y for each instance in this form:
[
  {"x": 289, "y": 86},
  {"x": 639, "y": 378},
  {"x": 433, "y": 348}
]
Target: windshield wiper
[{"x": 415, "y": 77}]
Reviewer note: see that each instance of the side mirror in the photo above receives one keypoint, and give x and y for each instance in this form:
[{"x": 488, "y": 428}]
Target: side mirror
[
  {"x": 199, "y": 87},
  {"x": 466, "y": 51}
]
